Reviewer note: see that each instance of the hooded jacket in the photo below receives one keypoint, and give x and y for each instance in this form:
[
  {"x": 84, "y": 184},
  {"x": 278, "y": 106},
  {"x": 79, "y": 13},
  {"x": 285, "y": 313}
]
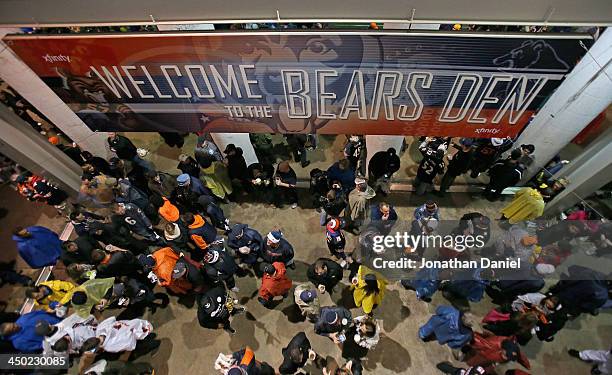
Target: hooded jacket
[
  {"x": 94, "y": 290},
  {"x": 487, "y": 351},
  {"x": 42, "y": 249},
  {"x": 202, "y": 233},
  {"x": 358, "y": 203},
  {"x": 169, "y": 211},
  {"x": 446, "y": 327},
  {"x": 59, "y": 289},
  {"x": 165, "y": 260},
  {"x": 275, "y": 285},
  {"x": 236, "y": 165}
]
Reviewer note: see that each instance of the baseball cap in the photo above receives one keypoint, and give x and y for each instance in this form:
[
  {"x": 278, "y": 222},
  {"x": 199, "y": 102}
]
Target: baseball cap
[
  {"x": 183, "y": 179},
  {"x": 180, "y": 269},
  {"x": 308, "y": 295}
]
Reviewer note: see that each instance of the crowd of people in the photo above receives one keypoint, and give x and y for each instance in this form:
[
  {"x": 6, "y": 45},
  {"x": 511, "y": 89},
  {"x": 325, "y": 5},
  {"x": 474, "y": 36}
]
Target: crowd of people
[{"x": 143, "y": 234}]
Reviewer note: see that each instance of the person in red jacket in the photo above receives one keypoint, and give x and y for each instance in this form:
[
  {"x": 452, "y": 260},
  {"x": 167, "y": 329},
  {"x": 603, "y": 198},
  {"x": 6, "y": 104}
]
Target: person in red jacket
[
  {"x": 274, "y": 283},
  {"x": 489, "y": 350}
]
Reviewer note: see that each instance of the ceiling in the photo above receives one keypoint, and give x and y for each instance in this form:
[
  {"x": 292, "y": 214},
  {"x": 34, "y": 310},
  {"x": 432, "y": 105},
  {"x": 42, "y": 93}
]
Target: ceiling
[{"x": 18, "y": 13}]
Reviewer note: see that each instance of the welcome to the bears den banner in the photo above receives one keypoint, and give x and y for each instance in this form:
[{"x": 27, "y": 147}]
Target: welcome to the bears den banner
[{"x": 466, "y": 85}]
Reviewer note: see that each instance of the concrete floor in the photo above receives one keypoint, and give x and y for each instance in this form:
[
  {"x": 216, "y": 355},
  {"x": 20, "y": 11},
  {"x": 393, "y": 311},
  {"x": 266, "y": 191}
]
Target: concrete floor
[{"x": 189, "y": 349}]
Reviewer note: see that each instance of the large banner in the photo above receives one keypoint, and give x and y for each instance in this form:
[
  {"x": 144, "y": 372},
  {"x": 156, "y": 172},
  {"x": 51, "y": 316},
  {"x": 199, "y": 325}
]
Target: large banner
[{"x": 466, "y": 85}]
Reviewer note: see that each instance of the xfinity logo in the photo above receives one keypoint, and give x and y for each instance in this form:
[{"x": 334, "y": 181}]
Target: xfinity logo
[{"x": 56, "y": 58}]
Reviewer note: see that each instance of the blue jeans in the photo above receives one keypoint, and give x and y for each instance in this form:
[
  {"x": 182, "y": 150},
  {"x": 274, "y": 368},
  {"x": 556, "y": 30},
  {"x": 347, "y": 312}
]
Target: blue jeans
[{"x": 146, "y": 165}]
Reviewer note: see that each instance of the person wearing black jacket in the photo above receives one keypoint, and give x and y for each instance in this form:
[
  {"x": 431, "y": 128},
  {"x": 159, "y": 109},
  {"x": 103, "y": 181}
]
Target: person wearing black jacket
[
  {"x": 325, "y": 274},
  {"x": 319, "y": 186},
  {"x": 214, "y": 212},
  {"x": 236, "y": 165},
  {"x": 215, "y": 309},
  {"x": 122, "y": 146},
  {"x": 79, "y": 250},
  {"x": 333, "y": 322},
  {"x": 296, "y": 354},
  {"x": 188, "y": 165},
  {"x": 503, "y": 174},
  {"x": 100, "y": 165},
  {"x": 297, "y": 145},
  {"x": 487, "y": 152},
  {"x": 458, "y": 163},
  {"x": 431, "y": 165},
  {"x": 381, "y": 168},
  {"x": 261, "y": 181},
  {"x": 246, "y": 242},
  {"x": 285, "y": 181},
  {"x": 220, "y": 267},
  {"x": 119, "y": 262},
  {"x": 117, "y": 234},
  {"x": 334, "y": 202}
]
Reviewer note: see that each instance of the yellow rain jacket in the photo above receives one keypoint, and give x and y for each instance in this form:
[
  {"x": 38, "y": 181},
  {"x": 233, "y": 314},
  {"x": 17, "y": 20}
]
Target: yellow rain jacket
[
  {"x": 527, "y": 204},
  {"x": 59, "y": 290},
  {"x": 364, "y": 300},
  {"x": 217, "y": 179}
]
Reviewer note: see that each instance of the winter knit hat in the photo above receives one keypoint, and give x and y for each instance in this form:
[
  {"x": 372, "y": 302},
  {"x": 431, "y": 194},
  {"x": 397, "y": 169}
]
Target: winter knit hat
[
  {"x": 176, "y": 232},
  {"x": 330, "y": 317},
  {"x": 275, "y": 236}
]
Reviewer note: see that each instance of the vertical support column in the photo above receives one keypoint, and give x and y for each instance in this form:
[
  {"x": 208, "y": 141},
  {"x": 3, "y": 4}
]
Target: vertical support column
[
  {"x": 376, "y": 143},
  {"x": 587, "y": 173},
  {"x": 29, "y": 149},
  {"x": 21, "y": 78},
  {"x": 585, "y": 93},
  {"x": 241, "y": 140}
]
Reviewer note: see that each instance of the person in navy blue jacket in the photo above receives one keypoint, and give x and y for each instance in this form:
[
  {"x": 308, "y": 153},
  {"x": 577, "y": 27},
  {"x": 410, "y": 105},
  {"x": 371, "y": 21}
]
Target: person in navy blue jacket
[
  {"x": 341, "y": 171},
  {"x": 246, "y": 242},
  {"x": 38, "y": 246},
  {"x": 384, "y": 216}
]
